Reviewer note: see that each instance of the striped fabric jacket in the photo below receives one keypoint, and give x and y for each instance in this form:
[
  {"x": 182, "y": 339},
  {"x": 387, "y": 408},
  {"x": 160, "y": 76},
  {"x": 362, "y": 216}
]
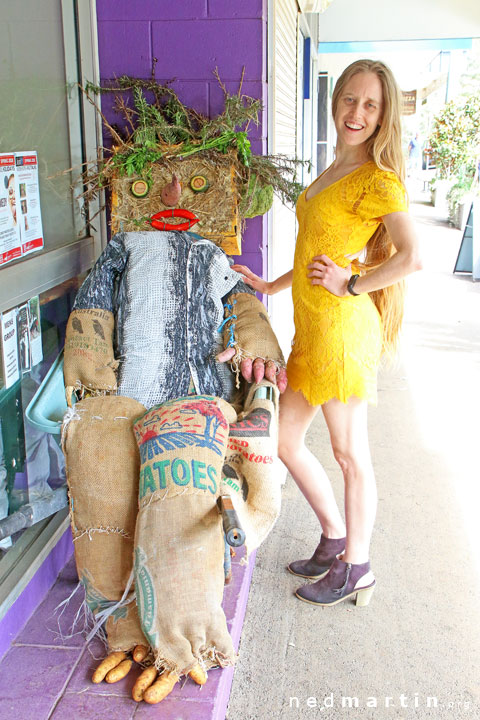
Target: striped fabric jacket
[{"x": 166, "y": 290}]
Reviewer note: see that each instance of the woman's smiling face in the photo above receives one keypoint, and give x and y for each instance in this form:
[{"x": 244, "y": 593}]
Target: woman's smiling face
[{"x": 359, "y": 110}]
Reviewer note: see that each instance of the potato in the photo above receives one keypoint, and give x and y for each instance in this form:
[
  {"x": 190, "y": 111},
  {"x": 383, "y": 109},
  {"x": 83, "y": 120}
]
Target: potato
[
  {"x": 106, "y": 665},
  {"x": 198, "y": 674},
  {"x": 144, "y": 680},
  {"x": 119, "y": 672},
  {"x": 140, "y": 653},
  {"x": 161, "y": 688}
]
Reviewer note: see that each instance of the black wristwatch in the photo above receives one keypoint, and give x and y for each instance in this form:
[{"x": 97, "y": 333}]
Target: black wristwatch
[{"x": 351, "y": 285}]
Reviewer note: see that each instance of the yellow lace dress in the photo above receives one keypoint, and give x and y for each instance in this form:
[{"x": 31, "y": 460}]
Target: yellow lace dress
[{"x": 337, "y": 343}]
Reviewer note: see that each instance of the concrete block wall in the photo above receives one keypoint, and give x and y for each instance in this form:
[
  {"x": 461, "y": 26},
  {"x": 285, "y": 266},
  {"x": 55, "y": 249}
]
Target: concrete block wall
[{"x": 190, "y": 38}]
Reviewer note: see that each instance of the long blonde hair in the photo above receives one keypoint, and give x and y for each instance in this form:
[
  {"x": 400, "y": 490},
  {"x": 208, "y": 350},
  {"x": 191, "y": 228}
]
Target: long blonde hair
[{"x": 384, "y": 147}]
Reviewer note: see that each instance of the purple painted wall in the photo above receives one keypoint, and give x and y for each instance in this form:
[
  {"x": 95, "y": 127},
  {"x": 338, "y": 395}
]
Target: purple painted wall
[{"x": 190, "y": 38}]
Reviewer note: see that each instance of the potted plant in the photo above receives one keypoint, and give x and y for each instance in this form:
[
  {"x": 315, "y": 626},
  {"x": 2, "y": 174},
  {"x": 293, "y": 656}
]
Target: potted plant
[
  {"x": 453, "y": 144},
  {"x": 459, "y": 198}
]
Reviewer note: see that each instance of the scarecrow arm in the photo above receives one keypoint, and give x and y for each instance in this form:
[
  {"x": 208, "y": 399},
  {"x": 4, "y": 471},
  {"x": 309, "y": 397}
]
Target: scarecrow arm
[
  {"x": 250, "y": 343},
  {"x": 89, "y": 362}
]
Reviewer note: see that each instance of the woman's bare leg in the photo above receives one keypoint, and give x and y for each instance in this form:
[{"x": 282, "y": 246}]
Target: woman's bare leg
[
  {"x": 347, "y": 425},
  {"x": 296, "y": 415}
]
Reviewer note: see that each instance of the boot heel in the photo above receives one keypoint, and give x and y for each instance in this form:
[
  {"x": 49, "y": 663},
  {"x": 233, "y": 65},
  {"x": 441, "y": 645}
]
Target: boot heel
[{"x": 363, "y": 596}]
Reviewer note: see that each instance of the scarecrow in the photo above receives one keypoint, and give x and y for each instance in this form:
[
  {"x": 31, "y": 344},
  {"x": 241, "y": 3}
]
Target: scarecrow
[{"x": 176, "y": 372}]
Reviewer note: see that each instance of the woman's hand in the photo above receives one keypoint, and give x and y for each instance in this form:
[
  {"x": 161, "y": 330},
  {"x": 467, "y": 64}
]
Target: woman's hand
[
  {"x": 332, "y": 277},
  {"x": 256, "y": 282},
  {"x": 405, "y": 260}
]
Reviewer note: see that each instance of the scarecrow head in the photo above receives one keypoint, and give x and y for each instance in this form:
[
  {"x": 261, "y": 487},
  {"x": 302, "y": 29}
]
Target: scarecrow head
[
  {"x": 199, "y": 192},
  {"x": 172, "y": 168}
]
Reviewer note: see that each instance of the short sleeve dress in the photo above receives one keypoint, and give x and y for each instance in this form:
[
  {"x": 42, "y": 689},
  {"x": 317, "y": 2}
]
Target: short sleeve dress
[{"x": 338, "y": 341}]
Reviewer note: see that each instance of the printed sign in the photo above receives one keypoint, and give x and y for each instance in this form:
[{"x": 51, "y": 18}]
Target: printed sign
[
  {"x": 409, "y": 102},
  {"x": 21, "y": 340},
  {"x": 11, "y": 369},
  {"x": 28, "y": 202},
  {"x": 20, "y": 218},
  {"x": 35, "y": 330},
  {"x": 23, "y": 335}
]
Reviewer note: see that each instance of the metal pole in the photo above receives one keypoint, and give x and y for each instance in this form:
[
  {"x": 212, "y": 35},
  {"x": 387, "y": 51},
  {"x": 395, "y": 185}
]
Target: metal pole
[{"x": 33, "y": 512}]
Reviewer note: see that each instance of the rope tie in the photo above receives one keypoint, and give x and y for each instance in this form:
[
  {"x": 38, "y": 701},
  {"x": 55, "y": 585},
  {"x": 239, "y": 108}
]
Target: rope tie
[
  {"x": 230, "y": 318},
  {"x": 103, "y": 615}
]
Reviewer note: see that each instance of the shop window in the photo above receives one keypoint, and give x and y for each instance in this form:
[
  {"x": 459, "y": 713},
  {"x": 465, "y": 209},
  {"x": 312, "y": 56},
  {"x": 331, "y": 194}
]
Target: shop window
[
  {"x": 47, "y": 49},
  {"x": 31, "y": 461}
]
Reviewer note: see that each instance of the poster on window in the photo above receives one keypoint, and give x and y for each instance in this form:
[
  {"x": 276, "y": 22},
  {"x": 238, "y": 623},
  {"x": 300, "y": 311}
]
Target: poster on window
[
  {"x": 28, "y": 203},
  {"x": 10, "y": 363},
  {"x": 21, "y": 229},
  {"x": 21, "y": 341},
  {"x": 23, "y": 334},
  {"x": 35, "y": 331},
  {"x": 10, "y": 242}
]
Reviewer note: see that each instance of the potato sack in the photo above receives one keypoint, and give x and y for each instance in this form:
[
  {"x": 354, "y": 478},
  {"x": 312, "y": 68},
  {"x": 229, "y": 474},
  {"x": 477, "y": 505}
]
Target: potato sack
[
  {"x": 179, "y": 544},
  {"x": 102, "y": 463}
]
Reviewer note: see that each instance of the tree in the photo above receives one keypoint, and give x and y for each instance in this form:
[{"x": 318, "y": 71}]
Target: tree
[
  {"x": 454, "y": 141},
  {"x": 214, "y": 419}
]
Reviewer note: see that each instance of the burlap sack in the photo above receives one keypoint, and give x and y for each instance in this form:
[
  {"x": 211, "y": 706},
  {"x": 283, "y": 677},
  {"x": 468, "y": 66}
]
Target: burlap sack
[
  {"x": 250, "y": 472},
  {"x": 179, "y": 545},
  {"x": 88, "y": 355},
  {"x": 248, "y": 330},
  {"x": 102, "y": 464}
]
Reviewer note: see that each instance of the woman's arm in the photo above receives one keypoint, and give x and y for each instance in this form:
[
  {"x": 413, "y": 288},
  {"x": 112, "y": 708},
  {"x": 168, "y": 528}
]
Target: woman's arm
[
  {"x": 404, "y": 261},
  {"x": 264, "y": 286}
]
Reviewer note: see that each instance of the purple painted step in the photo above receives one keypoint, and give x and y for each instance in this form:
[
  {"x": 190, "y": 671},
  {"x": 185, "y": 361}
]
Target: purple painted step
[{"x": 47, "y": 675}]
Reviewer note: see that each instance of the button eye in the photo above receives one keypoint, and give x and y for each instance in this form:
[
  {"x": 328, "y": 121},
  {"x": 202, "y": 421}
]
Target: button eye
[
  {"x": 199, "y": 183},
  {"x": 139, "y": 188}
]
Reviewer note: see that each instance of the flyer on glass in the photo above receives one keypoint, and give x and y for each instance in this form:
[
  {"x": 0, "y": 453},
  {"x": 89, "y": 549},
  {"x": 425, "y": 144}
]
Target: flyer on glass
[
  {"x": 28, "y": 202},
  {"x": 10, "y": 360},
  {"x": 23, "y": 334},
  {"x": 35, "y": 330},
  {"x": 20, "y": 341},
  {"x": 21, "y": 229}
]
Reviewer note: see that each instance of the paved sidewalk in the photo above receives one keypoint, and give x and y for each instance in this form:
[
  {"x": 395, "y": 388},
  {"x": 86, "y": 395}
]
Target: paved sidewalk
[{"x": 414, "y": 651}]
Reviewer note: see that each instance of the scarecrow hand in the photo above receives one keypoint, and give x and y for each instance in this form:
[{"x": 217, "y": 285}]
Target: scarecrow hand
[
  {"x": 256, "y": 370},
  {"x": 250, "y": 341}
]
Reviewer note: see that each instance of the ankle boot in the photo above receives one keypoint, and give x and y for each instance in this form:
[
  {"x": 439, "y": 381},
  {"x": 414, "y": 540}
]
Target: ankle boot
[
  {"x": 318, "y": 565},
  {"x": 342, "y": 581}
]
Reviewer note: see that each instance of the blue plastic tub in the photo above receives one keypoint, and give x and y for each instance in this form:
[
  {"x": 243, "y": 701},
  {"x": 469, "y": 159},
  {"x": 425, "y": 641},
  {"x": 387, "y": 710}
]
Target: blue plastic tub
[{"x": 46, "y": 409}]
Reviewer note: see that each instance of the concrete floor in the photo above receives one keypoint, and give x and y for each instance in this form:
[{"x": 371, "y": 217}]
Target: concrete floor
[{"x": 414, "y": 652}]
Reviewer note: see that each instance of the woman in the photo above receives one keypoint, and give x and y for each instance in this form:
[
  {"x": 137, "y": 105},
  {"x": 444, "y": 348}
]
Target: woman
[{"x": 346, "y": 312}]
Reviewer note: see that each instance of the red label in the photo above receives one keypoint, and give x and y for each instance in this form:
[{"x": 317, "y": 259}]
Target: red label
[
  {"x": 10, "y": 255},
  {"x": 32, "y": 244},
  {"x": 29, "y": 160},
  {"x": 7, "y": 160}
]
